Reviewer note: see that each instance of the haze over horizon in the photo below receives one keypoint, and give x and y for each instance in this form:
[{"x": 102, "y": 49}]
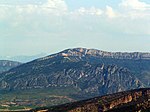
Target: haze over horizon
[{"x": 31, "y": 27}]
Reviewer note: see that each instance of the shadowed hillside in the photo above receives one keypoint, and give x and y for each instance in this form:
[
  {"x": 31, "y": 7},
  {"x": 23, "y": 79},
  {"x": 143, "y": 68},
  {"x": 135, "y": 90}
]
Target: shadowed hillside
[{"x": 129, "y": 101}]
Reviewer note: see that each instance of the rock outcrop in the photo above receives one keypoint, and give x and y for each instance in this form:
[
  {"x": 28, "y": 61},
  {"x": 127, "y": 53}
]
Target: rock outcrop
[{"x": 129, "y": 101}]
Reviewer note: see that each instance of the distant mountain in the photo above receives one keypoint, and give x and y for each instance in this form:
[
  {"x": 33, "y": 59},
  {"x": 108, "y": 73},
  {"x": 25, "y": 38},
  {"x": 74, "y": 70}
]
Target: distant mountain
[
  {"x": 23, "y": 58},
  {"x": 129, "y": 101},
  {"x": 90, "y": 71},
  {"x": 138, "y": 63},
  {"x": 6, "y": 65}
]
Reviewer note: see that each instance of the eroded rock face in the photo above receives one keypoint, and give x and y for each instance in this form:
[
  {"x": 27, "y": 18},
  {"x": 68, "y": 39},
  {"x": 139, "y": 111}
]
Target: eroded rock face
[
  {"x": 129, "y": 101},
  {"x": 95, "y": 79},
  {"x": 112, "y": 102}
]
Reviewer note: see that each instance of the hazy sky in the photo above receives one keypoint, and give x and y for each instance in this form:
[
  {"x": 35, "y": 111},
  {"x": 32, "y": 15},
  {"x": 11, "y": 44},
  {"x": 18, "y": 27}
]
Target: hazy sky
[{"x": 29, "y": 27}]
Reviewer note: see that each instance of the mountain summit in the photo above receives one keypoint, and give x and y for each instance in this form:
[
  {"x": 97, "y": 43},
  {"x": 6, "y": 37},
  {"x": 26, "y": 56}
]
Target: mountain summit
[{"x": 82, "y": 52}]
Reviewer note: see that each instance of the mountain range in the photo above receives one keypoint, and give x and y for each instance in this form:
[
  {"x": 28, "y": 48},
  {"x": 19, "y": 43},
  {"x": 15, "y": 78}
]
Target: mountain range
[
  {"x": 22, "y": 58},
  {"x": 91, "y": 72}
]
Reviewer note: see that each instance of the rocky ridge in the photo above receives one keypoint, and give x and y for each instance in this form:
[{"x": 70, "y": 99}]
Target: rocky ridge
[
  {"x": 82, "y": 52},
  {"x": 129, "y": 101}
]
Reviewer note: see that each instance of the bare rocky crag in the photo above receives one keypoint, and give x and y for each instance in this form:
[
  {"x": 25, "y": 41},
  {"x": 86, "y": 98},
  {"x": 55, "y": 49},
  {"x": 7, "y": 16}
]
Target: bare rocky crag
[{"x": 129, "y": 101}]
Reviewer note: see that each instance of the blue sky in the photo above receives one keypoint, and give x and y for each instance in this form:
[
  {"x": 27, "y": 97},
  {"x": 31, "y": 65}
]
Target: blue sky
[{"x": 29, "y": 27}]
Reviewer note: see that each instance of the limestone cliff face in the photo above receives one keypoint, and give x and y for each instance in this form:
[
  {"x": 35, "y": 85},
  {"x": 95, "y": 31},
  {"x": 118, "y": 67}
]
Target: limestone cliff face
[
  {"x": 129, "y": 101},
  {"x": 82, "y": 52},
  {"x": 119, "y": 100}
]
